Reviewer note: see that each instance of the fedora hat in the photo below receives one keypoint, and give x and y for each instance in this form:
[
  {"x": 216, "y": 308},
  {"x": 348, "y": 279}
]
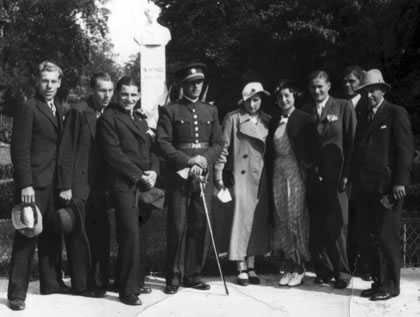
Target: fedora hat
[
  {"x": 68, "y": 219},
  {"x": 27, "y": 220},
  {"x": 373, "y": 77},
  {"x": 251, "y": 89},
  {"x": 151, "y": 199}
]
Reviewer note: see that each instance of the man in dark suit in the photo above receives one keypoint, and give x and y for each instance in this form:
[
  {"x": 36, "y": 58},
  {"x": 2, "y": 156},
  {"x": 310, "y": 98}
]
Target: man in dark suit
[
  {"x": 351, "y": 81},
  {"x": 188, "y": 137},
  {"x": 132, "y": 166},
  {"x": 381, "y": 168},
  {"x": 80, "y": 178},
  {"x": 327, "y": 200},
  {"x": 35, "y": 140}
]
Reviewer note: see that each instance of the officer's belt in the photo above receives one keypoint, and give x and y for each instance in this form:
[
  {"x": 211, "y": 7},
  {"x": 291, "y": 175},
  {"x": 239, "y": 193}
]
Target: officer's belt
[{"x": 186, "y": 146}]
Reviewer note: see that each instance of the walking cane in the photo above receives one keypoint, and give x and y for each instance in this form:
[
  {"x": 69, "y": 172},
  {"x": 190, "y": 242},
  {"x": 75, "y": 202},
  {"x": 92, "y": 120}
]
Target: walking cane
[{"x": 212, "y": 237}]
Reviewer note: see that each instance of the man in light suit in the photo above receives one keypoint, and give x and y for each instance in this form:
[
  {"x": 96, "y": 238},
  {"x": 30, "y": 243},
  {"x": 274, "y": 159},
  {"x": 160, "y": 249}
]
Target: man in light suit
[
  {"x": 35, "y": 139},
  {"x": 381, "y": 168},
  {"x": 335, "y": 120},
  {"x": 80, "y": 178}
]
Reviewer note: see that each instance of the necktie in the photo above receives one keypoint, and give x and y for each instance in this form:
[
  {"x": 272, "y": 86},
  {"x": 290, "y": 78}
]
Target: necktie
[
  {"x": 370, "y": 115},
  {"x": 52, "y": 107},
  {"x": 319, "y": 110}
]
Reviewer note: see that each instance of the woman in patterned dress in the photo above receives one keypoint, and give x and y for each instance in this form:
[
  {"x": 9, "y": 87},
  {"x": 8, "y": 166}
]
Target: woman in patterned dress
[{"x": 291, "y": 153}]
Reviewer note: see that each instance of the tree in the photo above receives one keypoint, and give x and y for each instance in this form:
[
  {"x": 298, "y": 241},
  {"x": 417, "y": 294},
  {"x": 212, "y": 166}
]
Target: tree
[{"x": 69, "y": 32}]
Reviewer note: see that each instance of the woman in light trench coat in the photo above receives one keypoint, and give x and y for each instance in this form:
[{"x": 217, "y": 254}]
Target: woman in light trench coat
[{"x": 244, "y": 133}]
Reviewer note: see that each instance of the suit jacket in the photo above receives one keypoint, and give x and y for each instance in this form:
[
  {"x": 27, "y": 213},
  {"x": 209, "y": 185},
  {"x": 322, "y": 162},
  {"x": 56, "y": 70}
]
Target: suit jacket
[
  {"x": 35, "y": 140},
  {"x": 302, "y": 137},
  {"x": 127, "y": 148},
  {"x": 384, "y": 149},
  {"x": 79, "y": 158},
  {"x": 336, "y": 131}
]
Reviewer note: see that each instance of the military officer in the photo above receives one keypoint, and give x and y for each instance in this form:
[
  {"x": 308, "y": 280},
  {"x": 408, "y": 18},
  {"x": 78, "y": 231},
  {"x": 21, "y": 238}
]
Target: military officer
[{"x": 189, "y": 138}]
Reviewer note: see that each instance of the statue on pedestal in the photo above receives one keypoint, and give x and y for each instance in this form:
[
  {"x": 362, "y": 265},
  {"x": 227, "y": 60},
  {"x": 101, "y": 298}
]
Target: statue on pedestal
[{"x": 152, "y": 33}]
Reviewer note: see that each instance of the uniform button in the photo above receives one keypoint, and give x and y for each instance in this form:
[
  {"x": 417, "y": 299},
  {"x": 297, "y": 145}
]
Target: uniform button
[
  {"x": 196, "y": 128},
  {"x": 245, "y": 156},
  {"x": 193, "y": 109},
  {"x": 196, "y": 141},
  {"x": 195, "y": 116},
  {"x": 196, "y": 122},
  {"x": 243, "y": 172},
  {"x": 182, "y": 121},
  {"x": 197, "y": 135}
]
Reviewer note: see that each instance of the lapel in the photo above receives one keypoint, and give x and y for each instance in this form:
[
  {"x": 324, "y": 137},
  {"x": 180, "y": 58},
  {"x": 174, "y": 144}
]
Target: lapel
[
  {"x": 247, "y": 127},
  {"x": 90, "y": 117},
  {"x": 378, "y": 118},
  {"x": 125, "y": 118},
  {"x": 330, "y": 108},
  {"x": 45, "y": 109}
]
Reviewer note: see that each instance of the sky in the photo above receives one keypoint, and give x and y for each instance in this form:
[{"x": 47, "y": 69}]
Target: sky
[{"x": 124, "y": 21}]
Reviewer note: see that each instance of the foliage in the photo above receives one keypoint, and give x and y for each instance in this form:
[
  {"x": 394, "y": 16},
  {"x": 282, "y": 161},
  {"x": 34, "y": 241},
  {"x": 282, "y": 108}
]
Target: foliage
[
  {"x": 6, "y": 124},
  {"x": 69, "y": 32},
  {"x": 271, "y": 39}
]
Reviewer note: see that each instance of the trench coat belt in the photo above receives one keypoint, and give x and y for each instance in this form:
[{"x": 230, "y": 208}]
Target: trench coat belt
[{"x": 185, "y": 146}]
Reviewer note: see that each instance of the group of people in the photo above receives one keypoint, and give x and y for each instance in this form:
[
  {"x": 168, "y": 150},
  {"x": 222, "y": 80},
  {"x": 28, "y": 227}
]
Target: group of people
[
  {"x": 291, "y": 172},
  {"x": 320, "y": 159}
]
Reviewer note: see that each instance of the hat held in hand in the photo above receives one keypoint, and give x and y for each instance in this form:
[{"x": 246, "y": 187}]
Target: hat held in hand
[
  {"x": 27, "y": 220},
  {"x": 68, "y": 219}
]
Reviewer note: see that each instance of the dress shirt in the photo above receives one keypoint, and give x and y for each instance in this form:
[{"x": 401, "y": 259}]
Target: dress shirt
[{"x": 320, "y": 106}]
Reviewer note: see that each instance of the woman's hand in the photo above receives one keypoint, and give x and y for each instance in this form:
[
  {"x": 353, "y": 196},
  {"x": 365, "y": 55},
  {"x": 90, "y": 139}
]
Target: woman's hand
[{"x": 219, "y": 184}]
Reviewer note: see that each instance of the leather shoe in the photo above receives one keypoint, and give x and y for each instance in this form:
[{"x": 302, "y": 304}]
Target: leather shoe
[
  {"x": 170, "y": 289},
  {"x": 322, "y": 280},
  {"x": 340, "y": 284},
  {"x": 381, "y": 295},
  {"x": 61, "y": 290},
  {"x": 132, "y": 300},
  {"x": 145, "y": 290},
  {"x": 201, "y": 286},
  {"x": 368, "y": 292},
  {"x": 17, "y": 304},
  {"x": 94, "y": 293}
]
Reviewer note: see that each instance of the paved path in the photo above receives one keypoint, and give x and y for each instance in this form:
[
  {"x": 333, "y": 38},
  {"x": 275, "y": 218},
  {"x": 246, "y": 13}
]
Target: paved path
[{"x": 264, "y": 300}]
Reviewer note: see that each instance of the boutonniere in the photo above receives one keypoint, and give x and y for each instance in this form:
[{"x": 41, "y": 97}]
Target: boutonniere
[{"x": 332, "y": 117}]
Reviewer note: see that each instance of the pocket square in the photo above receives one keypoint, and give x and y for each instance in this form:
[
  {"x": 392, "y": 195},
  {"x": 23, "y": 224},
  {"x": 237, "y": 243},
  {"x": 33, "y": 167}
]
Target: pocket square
[{"x": 383, "y": 126}]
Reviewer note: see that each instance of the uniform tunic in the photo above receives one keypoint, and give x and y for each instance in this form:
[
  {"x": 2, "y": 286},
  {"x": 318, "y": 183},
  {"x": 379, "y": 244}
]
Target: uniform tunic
[{"x": 180, "y": 123}]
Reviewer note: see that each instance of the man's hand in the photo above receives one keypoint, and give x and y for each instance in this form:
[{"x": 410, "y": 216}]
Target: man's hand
[
  {"x": 196, "y": 170},
  {"x": 66, "y": 194},
  {"x": 398, "y": 192},
  {"x": 199, "y": 160},
  {"x": 27, "y": 195},
  {"x": 343, "y": 185},
  {"x": 149, "y": 178}
]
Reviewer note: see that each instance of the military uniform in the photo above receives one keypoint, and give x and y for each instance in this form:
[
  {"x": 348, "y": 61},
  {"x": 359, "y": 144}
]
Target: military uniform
[{"x": 186, "y": 129}]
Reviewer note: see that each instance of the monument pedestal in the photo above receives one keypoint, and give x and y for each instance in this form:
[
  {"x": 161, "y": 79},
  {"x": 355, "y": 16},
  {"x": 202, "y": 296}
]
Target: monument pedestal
[{"x": 153, "y": 81}]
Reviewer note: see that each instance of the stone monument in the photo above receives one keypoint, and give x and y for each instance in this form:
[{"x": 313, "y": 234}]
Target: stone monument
[{"x": 152, "y": 40}]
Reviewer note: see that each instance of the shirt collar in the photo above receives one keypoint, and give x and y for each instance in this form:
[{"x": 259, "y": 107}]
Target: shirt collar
[
  {"x": 322, "y": 103},
  {"x": 355, "y": 100},
  {"x": 375, "y": 109},
  {"x": 191, "y": 100}
]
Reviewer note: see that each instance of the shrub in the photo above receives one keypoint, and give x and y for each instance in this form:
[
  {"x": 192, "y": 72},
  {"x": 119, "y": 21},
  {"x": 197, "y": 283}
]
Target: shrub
[{"x": 6, "y": 124}]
